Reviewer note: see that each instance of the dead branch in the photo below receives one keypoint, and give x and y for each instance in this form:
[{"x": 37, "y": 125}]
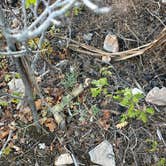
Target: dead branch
[{"x": 117, "y": 56}]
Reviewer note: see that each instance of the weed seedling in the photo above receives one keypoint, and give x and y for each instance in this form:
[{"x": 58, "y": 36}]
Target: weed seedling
[
  {"x": 131, "y": 101},
  {"x": 70, "y": 80},
  {"x": 99, "y": 87}
]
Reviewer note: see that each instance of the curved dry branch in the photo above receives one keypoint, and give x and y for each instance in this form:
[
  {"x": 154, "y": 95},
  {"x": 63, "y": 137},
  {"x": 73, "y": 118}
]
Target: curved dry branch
[{"x": 118, "y": 56}]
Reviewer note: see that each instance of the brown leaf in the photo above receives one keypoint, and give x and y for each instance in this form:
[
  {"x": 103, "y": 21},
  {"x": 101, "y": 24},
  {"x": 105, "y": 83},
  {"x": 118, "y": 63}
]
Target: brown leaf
[
  {"x": 106, "y": 59},
  {"x": 106, "y": 114},
  {"x": 50, "y": 124},
  {"x": 25, "y": 115},
  {"x": 4, "y": 133},
  {"x": 104, "y": 123},
  {"x": 38, "y": 104}
]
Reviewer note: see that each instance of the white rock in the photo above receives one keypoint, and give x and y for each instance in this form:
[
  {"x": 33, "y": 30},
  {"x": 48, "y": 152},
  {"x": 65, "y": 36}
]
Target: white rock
[
  {"x": 157, "y": 96},
  {"x": 111, "y": 43},
  {"x": 103, "y": 154},
  {"x": 163, "y": 1},
  {"x": 16, "y": 85},
  {"x": 63, "y": 159},
  {"x": 88, "y": 36},
  {"x": 136, "y": 91},
  {"x": 42, "y": 146}
]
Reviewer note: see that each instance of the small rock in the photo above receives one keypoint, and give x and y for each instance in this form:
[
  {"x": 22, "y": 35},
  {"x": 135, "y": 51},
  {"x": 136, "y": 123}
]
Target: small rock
[
  {"x": 16, "y": 85},
  {"x": 103, "y": 154},
  {"x": 15, "y": 23},
  {"x": 88, "y": 37},
  {"x": 157, "y": 96},
  {"x": 163, "y": 1},
  {"x": 137, "y": 91},
  {"x": 42, "y": 146},
  {"x": 106, "y": 59},
  {"x": 111, "y": 43},
  {"x": 63, "y": 159}
]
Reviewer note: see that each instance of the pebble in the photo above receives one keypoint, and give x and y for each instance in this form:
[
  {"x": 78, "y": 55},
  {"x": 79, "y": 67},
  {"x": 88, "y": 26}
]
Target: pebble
[{"x": 111, "y": 43}]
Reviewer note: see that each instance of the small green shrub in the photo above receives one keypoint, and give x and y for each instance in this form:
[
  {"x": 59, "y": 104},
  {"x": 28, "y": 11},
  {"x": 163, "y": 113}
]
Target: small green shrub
[
  {"x": 6, "y": 151},
  {"x": 3, "y": 103},
  {"x": 99, "y": 87},
  {"x": 161, "y": 162},
  {"x": 95, "y": 110},
  {"x": 152, "y": 145},
  {"x": 131, "y": 101},
  {"x": 70, "y": 80},
  {"x": 105, "y": 71},
  {"x": 28, "y": 3}
]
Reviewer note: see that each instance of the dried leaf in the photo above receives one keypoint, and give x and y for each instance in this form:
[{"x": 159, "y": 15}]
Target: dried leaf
[
  {"x": 106, "y": 59},
  {"x": 4, "y": 133},
  {"x": 106, "y": 114},
  {"x": 38, "y": 104},
  {"x": 121, "y": 125},
  {"x": 50, "y": 124},
  {"x": 104, "y": 123},
  {"x": 25, "y": 115}
]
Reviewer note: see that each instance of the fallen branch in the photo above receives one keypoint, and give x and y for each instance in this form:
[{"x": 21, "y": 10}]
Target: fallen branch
[
  {"x": 7, "y": 141},
  {"x": 117, "y": 56},
  {"x": 57, "y": 110}
]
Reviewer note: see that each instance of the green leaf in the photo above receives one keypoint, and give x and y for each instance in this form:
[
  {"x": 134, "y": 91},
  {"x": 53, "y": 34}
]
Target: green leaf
[
  {"x": 124, "y": 117},
  {"x": 143, "y": 117},
  {"x": 95, "y": 110},
  {"x": 3, "y": 103},
  {"x": 28, "y": 3},
  {"x": 161, "y": 162},
  {"x": 100, "y": 83},
  {"x": 136, "y": 98},
  {"x": 7, "y": 77},
  {"x": 117, "y": 97},
  {"x": 95, "y": 91},
  {"x": 105, "y": 91},
  {"x": 125, "y": 102},
  {"x": 150, "y": 110},
  {"x": 131, "y": 112},
  {"x": 6, "y": 151},
  {"x": 105, "y": 71}
]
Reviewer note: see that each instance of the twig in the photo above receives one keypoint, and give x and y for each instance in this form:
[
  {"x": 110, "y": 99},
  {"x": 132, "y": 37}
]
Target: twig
[
  {"x": 57, "y": 109},
  {"x": 12, "y": 96},
  {"x": 19, "y": 53},
  {"x": 7, "y": 141},
  {"x": 117, "y": 56}
]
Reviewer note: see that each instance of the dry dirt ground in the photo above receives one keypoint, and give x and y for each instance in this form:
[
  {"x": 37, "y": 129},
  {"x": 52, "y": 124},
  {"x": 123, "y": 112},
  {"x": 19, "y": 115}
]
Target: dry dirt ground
[{"x": 135, "y": 22}]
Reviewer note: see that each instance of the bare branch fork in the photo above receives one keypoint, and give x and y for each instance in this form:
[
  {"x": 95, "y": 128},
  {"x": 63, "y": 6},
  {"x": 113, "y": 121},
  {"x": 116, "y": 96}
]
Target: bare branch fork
[{"x": 21, "y": 35}]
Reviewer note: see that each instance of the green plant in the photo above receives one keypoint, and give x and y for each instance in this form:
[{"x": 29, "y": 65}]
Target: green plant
[
  {"x": 70, "y": 80},
  {"x": 131, "y": 101},
  {"x": 99, "y": 87},
  {"x": 16, "y": 100},
  {"x": 152, "y": 145},
  {"x": 161, "y": 162},
  {"x": 6, "y": 151},
  {"x": 105, "y": 71},
  {"x": 3, "y": 103},
  {"x": 28, "y": 3},
  {"x": 7, "y": 77},
  {"x": 76, "y": 11},
  {"x": 95, "y": 110},
  {"x": 3, "y": 62}
]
